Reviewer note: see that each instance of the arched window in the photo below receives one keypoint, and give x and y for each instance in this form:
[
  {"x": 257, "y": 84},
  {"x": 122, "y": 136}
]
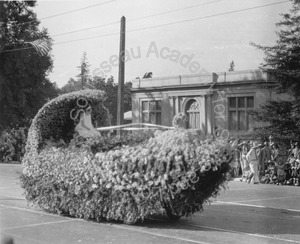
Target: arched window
[{"x": 193, "y": 113}]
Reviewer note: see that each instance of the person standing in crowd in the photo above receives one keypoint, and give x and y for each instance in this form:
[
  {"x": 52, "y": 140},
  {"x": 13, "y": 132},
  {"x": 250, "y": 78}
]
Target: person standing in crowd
[
  {"x": 274, "y": 152},
  {"x": 252, "y": 158},
  {"x": 297, "y": 182},
  {"x": 288, "y": 169},
  {"x": 271, "y": 140},
  {"x": 243, "y": 160},
  {"x": 265, "y": 157},
  {"x": 249, "y": 145},
  {"x": 237, "y": 164},
  {"x": 281, "y": 175},
  {"x": 296, "y": 150},
  {"x": 274, "y": 158},
  {"x": 259, "y": 159},
  {"x": 290, "y": 151},
  {"x": 297, "y": 171},
  {"x": 294, "y": 174}
]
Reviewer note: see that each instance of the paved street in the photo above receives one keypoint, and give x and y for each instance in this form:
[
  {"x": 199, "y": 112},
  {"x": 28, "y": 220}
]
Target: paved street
[{"x": 243, "y": 214}]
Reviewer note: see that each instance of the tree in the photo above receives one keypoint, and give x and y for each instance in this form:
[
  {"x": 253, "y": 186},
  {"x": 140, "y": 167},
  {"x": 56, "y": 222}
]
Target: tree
[
  {"x": 282, "y": 62},
  {"x": 127, "y": 97},
  {"x": 277, "y": 115},
  {"x": 110, "y": 88},
  {"x": 84, "y": 70},
  {"x": 231, "y": 68},
  {"x": 24, "y": 64},
  {"x": 72, "y": 85},
  {"x": 83, "y": 80}
]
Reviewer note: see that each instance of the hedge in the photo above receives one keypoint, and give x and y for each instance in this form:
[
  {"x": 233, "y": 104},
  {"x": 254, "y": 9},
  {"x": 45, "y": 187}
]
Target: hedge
[{"x": 175, "y": 171}]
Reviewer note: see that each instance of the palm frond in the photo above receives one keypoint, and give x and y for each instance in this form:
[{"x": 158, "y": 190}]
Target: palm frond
[{"x": 42, "y": 46}]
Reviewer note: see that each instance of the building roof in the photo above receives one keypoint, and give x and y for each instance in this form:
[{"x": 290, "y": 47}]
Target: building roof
[{"x": 207, "y": 79}]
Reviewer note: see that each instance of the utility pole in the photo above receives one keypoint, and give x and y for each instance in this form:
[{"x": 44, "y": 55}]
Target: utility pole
[{"x": 120, "y": 109}]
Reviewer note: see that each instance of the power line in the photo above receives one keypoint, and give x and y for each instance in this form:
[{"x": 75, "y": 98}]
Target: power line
[
  {"x": 81, "y": 39},
  {"x": 138, "y": 18},
  {"x": 172, "y": 11},
  {"x": 162, "y": 25},
  {"x": 89, "y": 28},
  {"x": 177, "y": 22},
  {"x": 208, "y": 16},
  {"x": 88, "y": 38},
  {"x": 79, "y": 9},
  {"x": 112, "y": 23},
  {"x": 68, "y": 12}
]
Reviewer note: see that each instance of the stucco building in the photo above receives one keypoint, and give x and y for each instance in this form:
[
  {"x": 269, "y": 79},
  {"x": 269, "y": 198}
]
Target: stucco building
[{"x": 215, "y": 103}]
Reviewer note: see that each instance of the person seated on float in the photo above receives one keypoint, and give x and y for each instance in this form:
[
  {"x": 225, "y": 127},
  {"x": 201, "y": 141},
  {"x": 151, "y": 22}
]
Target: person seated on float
[{"x": 85, "y": 127}]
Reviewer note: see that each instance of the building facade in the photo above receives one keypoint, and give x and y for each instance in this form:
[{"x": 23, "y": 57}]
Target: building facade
[{"x": 215, "y": 103}]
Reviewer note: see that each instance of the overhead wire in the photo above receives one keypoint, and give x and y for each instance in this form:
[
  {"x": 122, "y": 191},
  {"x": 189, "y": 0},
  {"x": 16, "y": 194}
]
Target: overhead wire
[
  {"x": 177, "y": 22},
  {"x": 104, "y": 25},
  {"x": 89, "y": 28},
  {"x": 173, "y": 10},
  {"x": 138, "y": 18},
  {"x": 79, "y": 9},
  {"x": 67, "y": 12},
  {"x": 162, "y": 25}
]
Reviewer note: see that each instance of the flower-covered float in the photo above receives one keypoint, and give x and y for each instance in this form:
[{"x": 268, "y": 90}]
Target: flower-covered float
[{"x": 119, "y": 178}]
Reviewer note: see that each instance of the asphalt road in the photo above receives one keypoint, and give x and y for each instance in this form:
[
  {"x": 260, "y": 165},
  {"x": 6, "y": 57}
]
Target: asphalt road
[{"x": 244, "y": 213}]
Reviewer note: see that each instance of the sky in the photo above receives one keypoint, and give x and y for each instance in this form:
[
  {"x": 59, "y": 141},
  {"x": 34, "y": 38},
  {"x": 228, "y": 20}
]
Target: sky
[{"x": 167, "y": 38}]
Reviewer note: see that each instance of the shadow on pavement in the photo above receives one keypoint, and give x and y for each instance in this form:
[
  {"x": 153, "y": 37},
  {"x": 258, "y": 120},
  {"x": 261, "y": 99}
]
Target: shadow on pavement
[{"x": 251, "y": 220}]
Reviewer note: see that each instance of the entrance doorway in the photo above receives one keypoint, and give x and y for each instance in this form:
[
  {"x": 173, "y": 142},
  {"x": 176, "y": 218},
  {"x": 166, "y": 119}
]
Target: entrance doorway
[{"x": 193, "y": 113}]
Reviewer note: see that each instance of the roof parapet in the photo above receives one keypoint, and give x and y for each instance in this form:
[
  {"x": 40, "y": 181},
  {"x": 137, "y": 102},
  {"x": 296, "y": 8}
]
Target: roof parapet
[{"x": 201, "y": 79}]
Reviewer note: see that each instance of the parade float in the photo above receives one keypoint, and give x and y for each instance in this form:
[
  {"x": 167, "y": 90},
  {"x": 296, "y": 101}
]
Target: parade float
[{"x": 70, "y": 168}]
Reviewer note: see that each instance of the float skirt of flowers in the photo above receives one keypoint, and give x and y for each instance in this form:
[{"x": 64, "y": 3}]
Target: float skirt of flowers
[{"x": 174, "y": 171}]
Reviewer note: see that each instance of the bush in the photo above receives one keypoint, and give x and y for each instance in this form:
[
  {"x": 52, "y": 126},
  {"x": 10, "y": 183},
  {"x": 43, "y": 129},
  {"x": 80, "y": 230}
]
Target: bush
[
  {"x": 12, "y": 145},
  {"x": 176, "y": 170}
]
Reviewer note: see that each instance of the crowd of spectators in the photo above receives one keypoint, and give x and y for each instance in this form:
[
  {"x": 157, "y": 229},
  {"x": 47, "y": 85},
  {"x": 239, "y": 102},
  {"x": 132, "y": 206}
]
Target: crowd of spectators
[{"x": 266, "y": 163}]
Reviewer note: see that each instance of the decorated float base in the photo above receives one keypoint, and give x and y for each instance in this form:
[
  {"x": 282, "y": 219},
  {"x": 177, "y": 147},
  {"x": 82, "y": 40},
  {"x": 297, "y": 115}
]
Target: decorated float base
[{"x": 125, "y": 179}]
